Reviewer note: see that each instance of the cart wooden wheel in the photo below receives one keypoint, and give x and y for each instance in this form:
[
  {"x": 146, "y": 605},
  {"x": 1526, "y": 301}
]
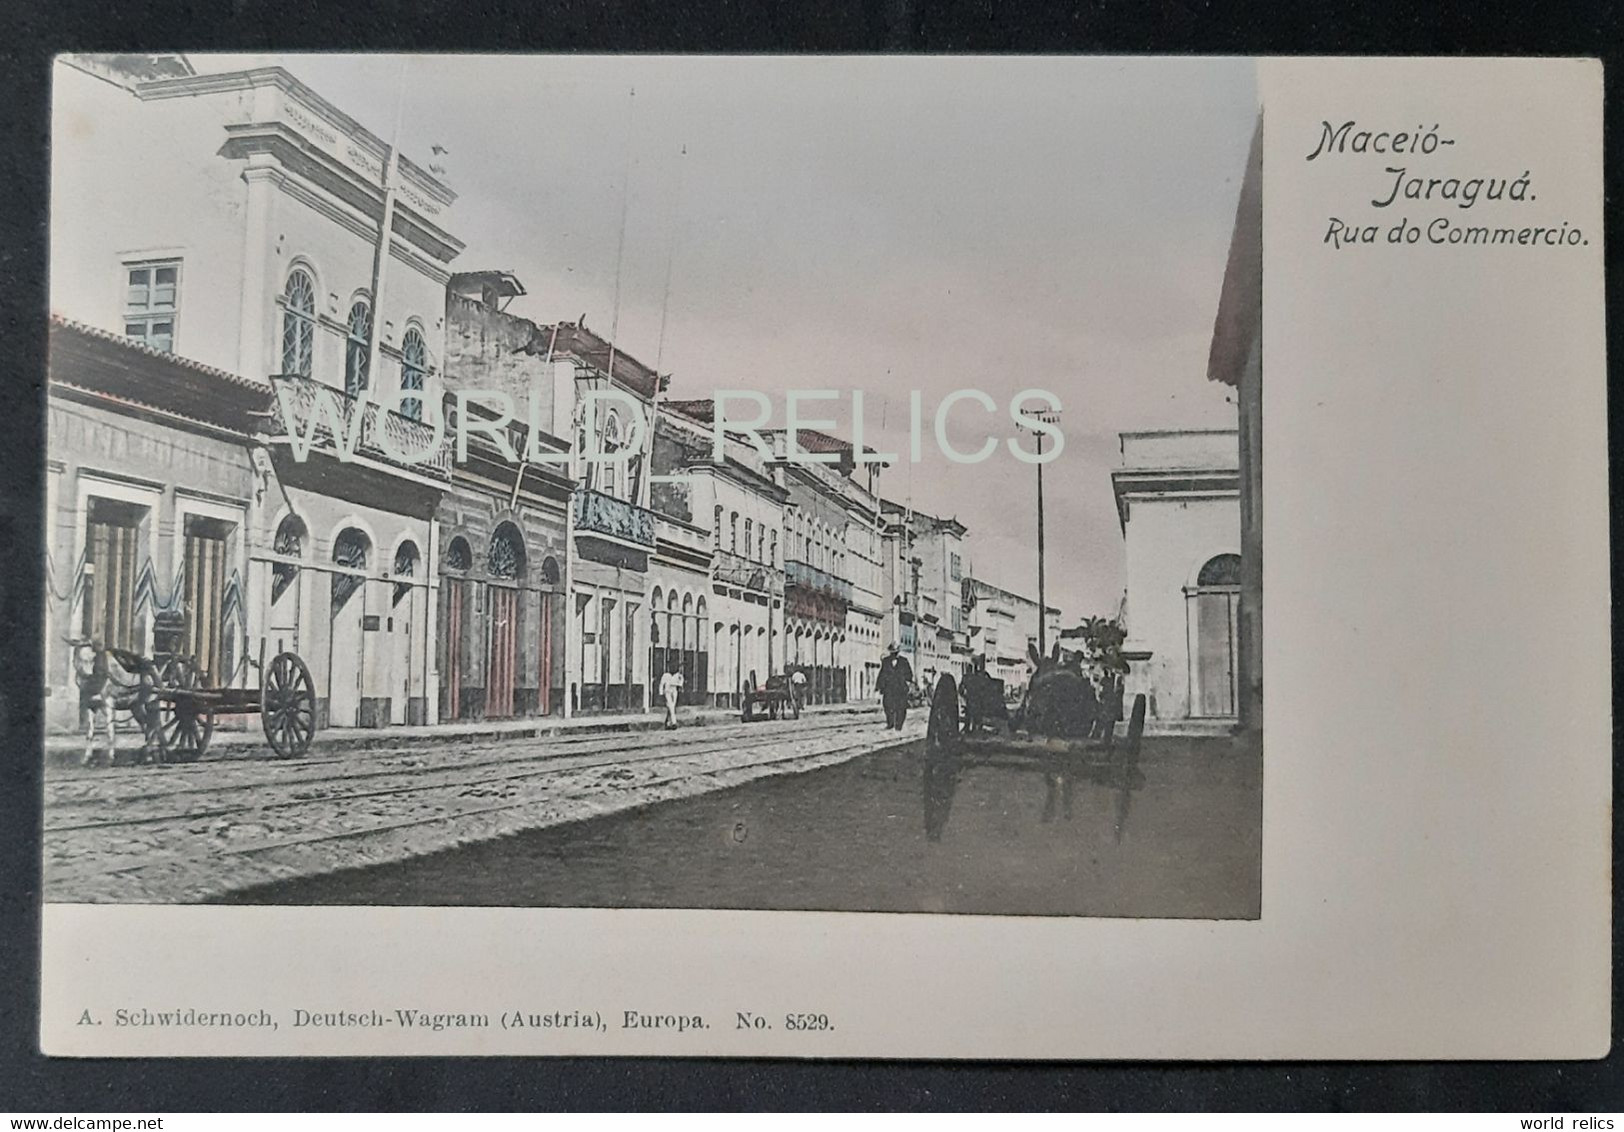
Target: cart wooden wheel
[
  {"x": 287, "y": 706},
  {"x": 185, "y": 725}
]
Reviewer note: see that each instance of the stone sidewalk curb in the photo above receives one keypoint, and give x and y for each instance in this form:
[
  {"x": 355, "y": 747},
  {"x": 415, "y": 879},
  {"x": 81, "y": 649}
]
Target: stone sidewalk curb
[{"x": 65, "y": 749}]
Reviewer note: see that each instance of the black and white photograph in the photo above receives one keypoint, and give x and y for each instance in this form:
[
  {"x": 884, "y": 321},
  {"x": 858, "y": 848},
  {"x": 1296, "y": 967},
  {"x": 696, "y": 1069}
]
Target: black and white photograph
[{"x": 656, "y": 483}]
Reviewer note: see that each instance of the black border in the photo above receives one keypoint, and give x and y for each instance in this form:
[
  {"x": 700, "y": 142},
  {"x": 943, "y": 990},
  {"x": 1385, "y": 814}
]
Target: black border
[{"x": 34, "y": 32}]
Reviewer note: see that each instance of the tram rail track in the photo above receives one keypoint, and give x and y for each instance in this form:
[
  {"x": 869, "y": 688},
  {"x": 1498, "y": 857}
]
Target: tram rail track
[
  {"x": 660, "y": 744},
  {"x": 93, "y": 876}
]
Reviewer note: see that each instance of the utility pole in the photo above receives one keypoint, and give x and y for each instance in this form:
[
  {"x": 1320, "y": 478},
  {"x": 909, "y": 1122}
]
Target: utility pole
[
  {"x": 380, "y": 253},
  {"x": 1043, "y": 605}
]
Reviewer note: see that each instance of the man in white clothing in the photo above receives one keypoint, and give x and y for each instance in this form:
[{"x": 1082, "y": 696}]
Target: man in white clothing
[{"x": 670, "y": 689}]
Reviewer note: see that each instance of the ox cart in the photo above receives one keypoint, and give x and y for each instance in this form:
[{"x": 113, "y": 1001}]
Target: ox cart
[
  {"x": 1060, "y": 730},
  {"x": 776, "y": 699},
  {"x": 170, "y": 699},
  {"x": 285, "y": 702}
]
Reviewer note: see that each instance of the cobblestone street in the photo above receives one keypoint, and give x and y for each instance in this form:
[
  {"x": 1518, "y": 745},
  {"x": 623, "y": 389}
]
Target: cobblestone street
[{"x": 195, "y": 832}]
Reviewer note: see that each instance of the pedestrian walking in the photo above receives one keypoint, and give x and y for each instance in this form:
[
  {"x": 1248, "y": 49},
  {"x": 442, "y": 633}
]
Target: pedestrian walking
[
  {"x": 797, "y": 687},
  {"x": 895, "y": 680},
  {"x": 670, "y": 689}
]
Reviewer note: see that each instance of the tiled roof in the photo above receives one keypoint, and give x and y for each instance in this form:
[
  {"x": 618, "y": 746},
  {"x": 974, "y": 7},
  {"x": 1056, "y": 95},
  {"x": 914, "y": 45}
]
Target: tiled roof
[
  {"x": 114, "y": 338},
  {"x": 126, "y": 372}
]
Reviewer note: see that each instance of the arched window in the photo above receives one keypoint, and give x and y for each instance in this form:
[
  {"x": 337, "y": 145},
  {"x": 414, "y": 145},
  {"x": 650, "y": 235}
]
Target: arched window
[
  {"x": 406, "y": 559},
  {"x": 350, "y": 550},
  {"x": 289, "y": 541},
  {"x": 458, "y": 555},
  {"x": 549, "y": 571},
  {"x": 733, "y": 532},
  {"x": 1221, "y": 570},
  {"x": 716, "y": 527},
  {"x": 298, "y": 323},
  {"x": 761, "y": 544},
  {"x": 414, "y": 366},
  {"x": 772, "y": 550},
  {"x": 611, "y": 443},
  {"x": 505, "y": 561},
  {"x": 357, "y": 348},
  {"x": 1212, "y": 607},
  {"x": 749, "y": 531}
]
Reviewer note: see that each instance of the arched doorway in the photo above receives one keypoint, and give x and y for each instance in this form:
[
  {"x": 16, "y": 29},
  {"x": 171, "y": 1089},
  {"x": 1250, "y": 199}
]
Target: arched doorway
[
  {"x": 287, "y": 585},
  {"x": 688, "y": 651},
  {"x": 1212, "y": 606},
  {"x": 548, "y": 669},
  {"x": 505, "y": 567},
  {"x": 459, "y": 559},
  {"x": 346, "y": 667},
  {"x": 404, "y": 614},
  {"x": 701, "y": 633}
]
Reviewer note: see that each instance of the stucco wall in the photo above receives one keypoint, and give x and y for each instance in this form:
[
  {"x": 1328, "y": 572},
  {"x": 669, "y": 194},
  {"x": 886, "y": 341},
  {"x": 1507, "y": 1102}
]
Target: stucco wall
[{"x": 1167, "y": 542}]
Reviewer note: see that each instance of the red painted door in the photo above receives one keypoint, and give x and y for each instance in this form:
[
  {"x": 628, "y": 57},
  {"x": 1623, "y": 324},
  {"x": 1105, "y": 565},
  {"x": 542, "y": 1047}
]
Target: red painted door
[
  {"x": 502, "y": 669},
  {"x": 451, "y": 708},
  {"x": 544, "y": 656}
]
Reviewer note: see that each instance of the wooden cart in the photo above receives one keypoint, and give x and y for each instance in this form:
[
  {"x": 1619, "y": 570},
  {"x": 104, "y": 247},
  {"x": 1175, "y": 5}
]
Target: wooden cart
[
  {"x": 285, "y": 702},
  {"x": 952, "y": 747},
  {"x": 774, "y": 700}
]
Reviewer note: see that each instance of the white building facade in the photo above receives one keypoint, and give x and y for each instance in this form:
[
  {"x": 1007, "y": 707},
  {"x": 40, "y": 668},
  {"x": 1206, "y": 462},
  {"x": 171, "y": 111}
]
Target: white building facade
[
  {"x": 247, "y": 245},
  {"x": 1178, "y": 500}
]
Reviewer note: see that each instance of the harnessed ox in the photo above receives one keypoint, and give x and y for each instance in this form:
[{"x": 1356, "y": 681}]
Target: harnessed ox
[{"x": 112, "y": 680}]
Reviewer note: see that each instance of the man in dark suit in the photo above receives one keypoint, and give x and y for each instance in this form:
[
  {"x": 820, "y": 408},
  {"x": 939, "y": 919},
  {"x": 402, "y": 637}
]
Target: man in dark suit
[{"x": 896, "y": 677}]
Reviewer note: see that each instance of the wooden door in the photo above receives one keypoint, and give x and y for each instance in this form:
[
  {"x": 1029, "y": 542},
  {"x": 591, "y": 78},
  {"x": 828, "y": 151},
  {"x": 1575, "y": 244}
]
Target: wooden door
[
  {"x": 347, "y": 662},
  {"x": 544, "y": 656},
  {"x": 205, "y": 588},
  {"x": 501, "y": 669},
  {"x": 451, "y": 703},
  {"x": 110, "y": 615},
  {"x": 1215, "y": 654}
]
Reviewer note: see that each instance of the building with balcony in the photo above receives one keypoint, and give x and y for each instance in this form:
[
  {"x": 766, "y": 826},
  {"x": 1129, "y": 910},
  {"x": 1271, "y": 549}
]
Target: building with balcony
[
  {"x": 830, "y": 602},
  {"x": 927, "y": 561},
  {"x": 502, "y": 522},
  {"x": 248, "y": 248},
  {"x": 613, "y": 536},
  {"x": 737, "y": 503},
  {"x": 1178, "y": 500}
]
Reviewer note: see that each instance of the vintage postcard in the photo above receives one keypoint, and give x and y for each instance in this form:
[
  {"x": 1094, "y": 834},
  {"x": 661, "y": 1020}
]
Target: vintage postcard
[{"x": 779, "y": 556}]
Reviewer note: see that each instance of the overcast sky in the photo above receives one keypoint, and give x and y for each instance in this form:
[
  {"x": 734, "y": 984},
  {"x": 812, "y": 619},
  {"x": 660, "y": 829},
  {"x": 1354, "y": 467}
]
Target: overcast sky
[{"x": 881, "y": 223}]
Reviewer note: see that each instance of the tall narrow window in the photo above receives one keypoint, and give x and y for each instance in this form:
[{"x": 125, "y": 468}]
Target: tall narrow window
[
  {"x": 716, "y": 527},
  {"x": 358, "y": 348},
  {"x": 151, "y": 303},
  {"x": 749, "y": 530},
  {"x": 298, "y": 323},
  {"x": 414, "y": 365}
]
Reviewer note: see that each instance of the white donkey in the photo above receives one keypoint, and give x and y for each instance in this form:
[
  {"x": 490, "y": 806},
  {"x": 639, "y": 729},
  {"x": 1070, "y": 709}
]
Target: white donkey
[{"x": 110, "y": 680}]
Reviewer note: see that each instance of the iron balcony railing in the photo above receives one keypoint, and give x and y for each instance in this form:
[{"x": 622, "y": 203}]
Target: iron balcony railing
[
  {"x": 310, "y": 406},
  {"x": 810, "y": 577},
  {"x": 737, "y": 570},
  {"x": 602, "y": 514}
]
